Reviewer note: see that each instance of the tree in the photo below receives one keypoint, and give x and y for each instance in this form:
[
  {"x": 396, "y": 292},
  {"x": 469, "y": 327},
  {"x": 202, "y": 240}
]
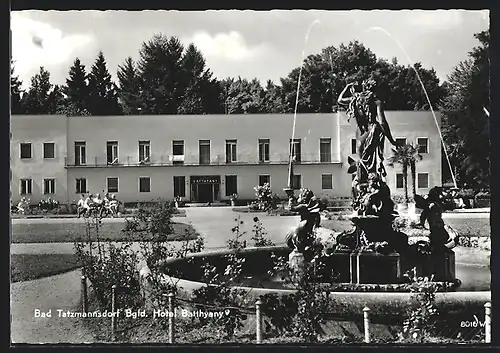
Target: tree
[
  {"x": 273, "y": 99},
  {"x": 102, "y": 99},
  {"x": 128, "y": 87},
  {"x": 406, "y": 156},
  {"x": 15, "y": 92},
  {"x": 76, "y": 90},
  {"x": 241, "y": 96},
  {"x": 465, "y": 125},
  {"x": 324, "y": 75},
  {"x": 201, "y": 92},
  {"x": 161, "y": 75},
  {"x": 42, "y": 97}
]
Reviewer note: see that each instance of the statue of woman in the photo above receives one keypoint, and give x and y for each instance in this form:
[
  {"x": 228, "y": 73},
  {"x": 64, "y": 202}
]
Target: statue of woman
[{"x": 372, "y": 125}]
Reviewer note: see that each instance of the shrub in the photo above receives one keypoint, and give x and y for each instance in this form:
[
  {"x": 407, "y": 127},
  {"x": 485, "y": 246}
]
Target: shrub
[
  {"x": 419, "y": 324},
  {"x": 265, "y": 199},
  {"x": 106, "y": 265},
  {"x": 218, "y": 294},
  {"x": 236, "y": 242},
  {"x": 48, "y": 205},
  {"x": 302, "y": 313},
  {"x": 154, "y": 222},
  {"x": 259, "y": 234}
]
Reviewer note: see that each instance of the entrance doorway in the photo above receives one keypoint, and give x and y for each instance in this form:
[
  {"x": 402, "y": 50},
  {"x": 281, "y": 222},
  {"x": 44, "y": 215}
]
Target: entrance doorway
[{"x": 205, "y": 188}]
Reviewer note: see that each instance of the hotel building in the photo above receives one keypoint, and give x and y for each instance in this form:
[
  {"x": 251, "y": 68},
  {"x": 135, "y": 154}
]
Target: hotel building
[{"x": 201, "y": 157}]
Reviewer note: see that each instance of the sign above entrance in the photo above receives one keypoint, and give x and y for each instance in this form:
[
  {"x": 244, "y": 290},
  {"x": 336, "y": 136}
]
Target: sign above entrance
[{"x": 212, "y": 179}]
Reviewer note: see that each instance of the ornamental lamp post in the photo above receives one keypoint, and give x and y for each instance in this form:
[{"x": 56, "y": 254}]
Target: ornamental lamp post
[{"x": 289, "y": 189}]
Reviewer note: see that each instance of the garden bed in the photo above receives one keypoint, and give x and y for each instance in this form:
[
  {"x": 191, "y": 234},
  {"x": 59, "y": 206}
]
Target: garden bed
[
  {"x": 69, "y": 232},
  {"x": 26, "y": 267}
]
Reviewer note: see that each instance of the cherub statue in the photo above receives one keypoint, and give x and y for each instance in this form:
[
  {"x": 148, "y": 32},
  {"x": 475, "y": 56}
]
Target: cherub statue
[
  {"x": 308, "y": 207},
  {"x": 442, "y": 236}
]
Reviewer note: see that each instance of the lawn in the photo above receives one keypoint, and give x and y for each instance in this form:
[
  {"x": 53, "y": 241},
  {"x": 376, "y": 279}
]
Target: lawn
[
  {"x": 464, "y": 226},
  {"x": 69, "y": 232},
  {"x": 26, "y": 267}
]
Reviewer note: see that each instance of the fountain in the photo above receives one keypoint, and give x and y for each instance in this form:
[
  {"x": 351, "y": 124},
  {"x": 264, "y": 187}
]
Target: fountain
[{"x": 372, "y": 257}]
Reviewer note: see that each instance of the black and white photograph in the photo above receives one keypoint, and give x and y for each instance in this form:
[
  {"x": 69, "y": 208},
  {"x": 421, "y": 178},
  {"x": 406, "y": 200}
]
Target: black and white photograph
[{"x": 246, "y": 177}]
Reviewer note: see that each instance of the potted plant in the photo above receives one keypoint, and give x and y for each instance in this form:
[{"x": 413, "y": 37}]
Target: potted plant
[
  {"x": 177, "y": 200},
  {"x": 233, "y": 199}
]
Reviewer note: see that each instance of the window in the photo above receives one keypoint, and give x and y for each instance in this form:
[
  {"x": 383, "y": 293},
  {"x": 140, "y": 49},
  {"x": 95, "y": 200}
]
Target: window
[
  {"x": 230, "y": 151},
  {"x": 264, "y": 150},
  {"x": 81, "y": 186},
  {"x": 80, "y": 153},
  {"x": 144, "y": 151},
  {"x": 112, "y": 184},
  {"x": 399, "y": 181},
  {"x": 26, "y": 186},
  {"x": 144, "y": 184},
  {"x": 112, "y": 152},
  {"x": 354, "y": 148},
  {"x": 25, "y": 150},
  {"x": 49, "y": 150},
  {"x": 423, "y": 145},
  {"x": 401, "y": 141},
  {"x": 263, "y": 179},
  {"x": 296, "y": 182},
  {"x": 423, "y": 180},
  {"x": 231, "y": 185},
  {"x": 179, "y": 186},
  {"x": 204, "y": 151},
  {"x": 325, "y": 150},
  {"x": 49, "y": 186},
  {"x": 178, "y": 152},
  {"x": 295, "y": 150},
  {"x": 326, "y": 181}
]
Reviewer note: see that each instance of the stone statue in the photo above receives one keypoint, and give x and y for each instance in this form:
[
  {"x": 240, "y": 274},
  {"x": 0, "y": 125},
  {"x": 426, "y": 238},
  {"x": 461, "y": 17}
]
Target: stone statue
[
  {"x": 442, "y": 236},
  {"x": 372, "y": 203},
  {"x": 308, "y": 207},
  {"x": 372, "y": 128}
]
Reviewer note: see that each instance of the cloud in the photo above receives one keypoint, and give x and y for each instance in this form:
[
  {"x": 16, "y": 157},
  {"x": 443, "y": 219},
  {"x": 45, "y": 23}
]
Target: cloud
[
  {"x": 226, "y": 46},
  {"x": 35, "y": 44},
  {"x": 435, "y": 20}
]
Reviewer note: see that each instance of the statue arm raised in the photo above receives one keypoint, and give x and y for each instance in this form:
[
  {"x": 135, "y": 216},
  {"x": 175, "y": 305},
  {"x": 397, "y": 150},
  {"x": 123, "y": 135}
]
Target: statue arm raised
[
  {"x": 384, "y": 124},
  {"x": 345, "y": 100}
]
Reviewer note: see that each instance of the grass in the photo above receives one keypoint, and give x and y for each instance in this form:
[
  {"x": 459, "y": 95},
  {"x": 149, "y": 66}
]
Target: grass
[
  {"x": 464, "y": 226},
  {"x": 69, "y": 232},
  {"x": 26, "y": 267}
]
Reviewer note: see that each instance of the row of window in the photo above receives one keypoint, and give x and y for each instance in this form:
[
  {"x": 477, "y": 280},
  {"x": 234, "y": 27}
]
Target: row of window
[
  {"x": 178, "y": 151},
  {"x": 49, "y": 150},
  {"x": 325, "y": 148},
  {"x": 49, "y": 184},
  {"x": 422, "y": 143}
]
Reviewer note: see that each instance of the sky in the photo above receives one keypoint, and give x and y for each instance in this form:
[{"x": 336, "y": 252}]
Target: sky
[{"x": 251, "y": 44}]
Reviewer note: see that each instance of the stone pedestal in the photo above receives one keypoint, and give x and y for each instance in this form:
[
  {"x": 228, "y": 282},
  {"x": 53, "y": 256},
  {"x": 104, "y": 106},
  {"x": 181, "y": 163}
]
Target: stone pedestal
[
  {"x": 366, "y": 267},
  {"x": 441, "y": 265},
  {"x": 297, "y": 265}
]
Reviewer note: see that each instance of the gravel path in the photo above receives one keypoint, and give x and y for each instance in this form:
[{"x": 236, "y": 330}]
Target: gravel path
[{"x": 51, "y": 293}]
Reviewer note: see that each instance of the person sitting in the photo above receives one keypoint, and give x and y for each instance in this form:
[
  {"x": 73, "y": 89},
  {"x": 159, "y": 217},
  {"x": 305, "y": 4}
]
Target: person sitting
[
  {"x": 88, "y": 203},
  {"x": 21, "y": 206},
  {"x": 98, "y": 201},
  {"x": 80, "y": 206}
]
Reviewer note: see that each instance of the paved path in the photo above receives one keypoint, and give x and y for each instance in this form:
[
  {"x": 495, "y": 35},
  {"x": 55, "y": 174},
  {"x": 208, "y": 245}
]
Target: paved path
[{"x": 51, "y": 293}]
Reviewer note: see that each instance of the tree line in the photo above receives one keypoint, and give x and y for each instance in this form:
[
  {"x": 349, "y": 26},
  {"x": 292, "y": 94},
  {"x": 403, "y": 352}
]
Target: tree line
[{"x": 169, "y": 78}]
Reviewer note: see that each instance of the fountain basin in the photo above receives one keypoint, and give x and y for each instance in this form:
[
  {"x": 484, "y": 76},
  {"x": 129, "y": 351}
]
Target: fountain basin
[{"x": 351, "y": 297}]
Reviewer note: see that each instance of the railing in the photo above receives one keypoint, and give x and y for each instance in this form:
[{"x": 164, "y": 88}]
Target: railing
[{"x": 195, "y": 160}]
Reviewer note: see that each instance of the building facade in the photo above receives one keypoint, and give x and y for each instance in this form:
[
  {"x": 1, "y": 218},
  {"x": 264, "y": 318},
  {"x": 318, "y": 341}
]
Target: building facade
[{"x": 201, "y": 158}]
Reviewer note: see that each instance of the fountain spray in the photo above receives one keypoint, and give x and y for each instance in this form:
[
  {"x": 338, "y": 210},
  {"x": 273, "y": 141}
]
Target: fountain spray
[
  {"x": 425, "y": 92},
  {"x": 289, "y": 189}
]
